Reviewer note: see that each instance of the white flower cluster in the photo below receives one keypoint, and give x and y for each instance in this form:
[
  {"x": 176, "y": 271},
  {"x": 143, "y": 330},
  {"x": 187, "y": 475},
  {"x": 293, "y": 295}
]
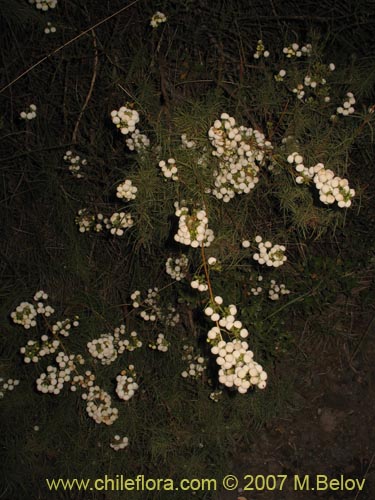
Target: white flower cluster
[
  {"x": 138, "y": 142},
  {"x": 86, "y": 221},
  {"x": 177, "y": 267},
  {"x": 331, "y": 187},
  {"x": 52, "y": 381},
  {"x": 256, "y": 290},
  {"x": 35, "y": 350},
  {"x": 276, "y": 290},
  {"x": 271, "y": 255},
  {"x": 49, "y": 28},
  {"x": 161, "y": 344},
  {"x": 241, "y": 151},
  {"x": 295, "y": 50},
  {"x": 44, "y": 4},
  {"x": 26, "y": 312},
  {"x": 193, "y": 228},
  {"x": 196, "y": 363},
  {"x": 299, "y": 91},
  {"x": 225, "y": 317},
  {"x": 25, "y": 315},
  {"x": 103, "y": 349},
  {"x": 151, "y": 310},
  {"x": 169, "y": 169},
  {"x": 41, "y": 307},
  {"x": 109, "y": 346},
  {"x": 75, "y": 164},
  {"x": 309, "y": 82},
  {"x": 280, "y": 75},
  {"x": 261, "y": 51},
  {"x": 126, "y": 190},
  {"x": 216, "y": 395},
  {"x": 7, "y": 385},
  {"x": 63, "y": 327},
  {"x": 118, "y": 222},
  {"x": 186, "y": 143},
  {"x": 125, "y": 119},
  {"x": 199, "y": 283},
  {"x": 127, "y": 344},
  {"x": 126, "y": 384},
  {"x": 29, "y": 114},
  {"x": 119, "y": 443},
  {"x": 238, "y": 369},
  {"x": 347, "y": 107},
  {"x": 83, "y": 381},
  {"x": 157, "y": 18},
  {"x": 136, "y": 298},
  {"x": 99, "y": 406}
]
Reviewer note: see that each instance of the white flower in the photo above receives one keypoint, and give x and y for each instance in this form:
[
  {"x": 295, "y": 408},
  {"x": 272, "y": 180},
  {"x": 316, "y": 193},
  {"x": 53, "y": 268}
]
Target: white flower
[
  {"x": 30, "y": 113},
  {"x": 126, "y": 190},
  {"x": 271, "y": 255},
  {"x": 125, "y": 119},
  {"x": 157, "y": 19}
]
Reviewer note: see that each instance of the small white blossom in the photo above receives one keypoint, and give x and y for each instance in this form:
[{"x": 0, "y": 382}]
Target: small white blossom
[
  {"x": 157, "y": 18},
  {"x": 29, "y": 113}
]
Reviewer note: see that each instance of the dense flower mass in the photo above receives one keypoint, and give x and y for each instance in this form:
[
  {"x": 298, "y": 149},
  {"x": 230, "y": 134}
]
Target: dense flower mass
[
  {"x": 99, "y": 405},
  {"x": 238, "y": 369},
  {"x": 271, "y": 255},
  {"x": 241, "y": 151},
  {"x": 331, "y": 187},
  {"x": 118, "y": 222},
  {"x": 126, "y": 190},
  {"x": 109, "y": 346},
  {"x": 126, "y": 384},
  {"x": 125, "y": 119},
  {"x": 193, "y": 227},
  {"x": 25, "y": 315}
]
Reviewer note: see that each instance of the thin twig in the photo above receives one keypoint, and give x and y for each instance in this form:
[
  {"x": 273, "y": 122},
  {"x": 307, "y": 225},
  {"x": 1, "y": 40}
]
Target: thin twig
[
  {"x": 89, "y": 94},
  {"x": 69, "y": 42},
  {"x": 368, "y": 468},
  {"x": 364, "y": 335}
]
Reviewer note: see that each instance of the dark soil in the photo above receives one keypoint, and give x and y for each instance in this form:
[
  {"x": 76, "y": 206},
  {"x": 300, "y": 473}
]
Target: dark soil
[{"x": 331, "y": 431}]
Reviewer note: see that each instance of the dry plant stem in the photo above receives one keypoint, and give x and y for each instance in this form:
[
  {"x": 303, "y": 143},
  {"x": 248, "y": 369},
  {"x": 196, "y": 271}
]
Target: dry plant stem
[
  {"x": 368, "y": 468},
  {"x": 207, "y": 274},
  {"x": 89, "y": 94},
  {"x": 69, "y": 42},
  {"x": 364, "y": 335}
]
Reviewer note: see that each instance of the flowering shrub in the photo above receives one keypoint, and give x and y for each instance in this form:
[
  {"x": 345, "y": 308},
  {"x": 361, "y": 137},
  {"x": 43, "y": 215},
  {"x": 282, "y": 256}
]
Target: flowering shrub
[{"x": 202, "y": 173}]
